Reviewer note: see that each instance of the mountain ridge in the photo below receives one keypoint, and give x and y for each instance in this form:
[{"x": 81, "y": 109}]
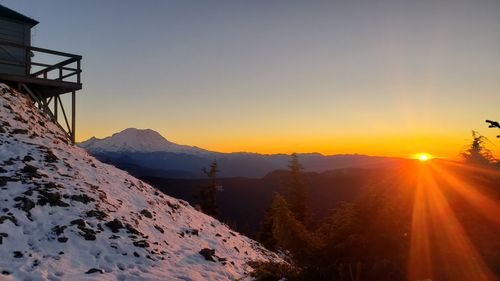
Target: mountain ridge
[{"x": 133, "y": 154}]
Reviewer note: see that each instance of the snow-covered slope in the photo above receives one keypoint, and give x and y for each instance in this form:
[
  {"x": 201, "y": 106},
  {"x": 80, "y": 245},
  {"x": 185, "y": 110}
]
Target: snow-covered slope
[
  {"x": 137, "y": 140},
  {"x": 66, "y": 216}
]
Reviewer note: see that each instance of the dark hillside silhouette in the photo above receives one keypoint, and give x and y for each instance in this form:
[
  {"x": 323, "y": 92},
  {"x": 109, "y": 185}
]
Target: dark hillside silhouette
[
  {"x": 243, "y": 201},
  {"x": 441, "y": 211}
]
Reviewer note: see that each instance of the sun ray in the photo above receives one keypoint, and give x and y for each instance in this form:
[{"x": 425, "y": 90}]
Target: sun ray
[
  {"x": 482, "y": 203},
  {"x": 439, "y": 247}
]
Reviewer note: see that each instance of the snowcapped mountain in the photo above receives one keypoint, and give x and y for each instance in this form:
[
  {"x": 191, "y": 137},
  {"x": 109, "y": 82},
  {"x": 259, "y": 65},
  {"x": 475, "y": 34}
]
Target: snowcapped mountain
[
  {"x": 66, "y": 216},
  {"x": 137, "y": 140}
]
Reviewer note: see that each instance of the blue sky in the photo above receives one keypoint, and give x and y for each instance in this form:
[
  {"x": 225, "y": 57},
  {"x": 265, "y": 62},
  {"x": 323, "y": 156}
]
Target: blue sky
[{"x": 375, "y": 77}]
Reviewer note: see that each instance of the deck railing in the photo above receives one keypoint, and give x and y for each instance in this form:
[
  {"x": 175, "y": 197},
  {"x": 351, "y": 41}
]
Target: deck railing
[{"x": 67, "y": 70}]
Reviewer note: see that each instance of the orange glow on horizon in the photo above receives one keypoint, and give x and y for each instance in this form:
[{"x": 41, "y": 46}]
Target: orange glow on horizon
[{"x": 391, "y": 145}]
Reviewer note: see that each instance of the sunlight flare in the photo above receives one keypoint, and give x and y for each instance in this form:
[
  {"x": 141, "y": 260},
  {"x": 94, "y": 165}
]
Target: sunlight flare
[
  {"x": 422, "y": 157},
  {"x": 437, "y": 233}
]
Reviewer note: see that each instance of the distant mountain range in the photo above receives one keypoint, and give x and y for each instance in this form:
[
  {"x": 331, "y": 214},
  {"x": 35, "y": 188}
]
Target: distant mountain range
[{"x": 144, "y": 152}]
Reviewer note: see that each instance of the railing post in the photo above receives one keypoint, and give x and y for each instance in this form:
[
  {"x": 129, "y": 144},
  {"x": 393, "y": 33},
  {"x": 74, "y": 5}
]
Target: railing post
[
  {"x": 78, "y": 67},
  {"x": 73, "y": 116}
]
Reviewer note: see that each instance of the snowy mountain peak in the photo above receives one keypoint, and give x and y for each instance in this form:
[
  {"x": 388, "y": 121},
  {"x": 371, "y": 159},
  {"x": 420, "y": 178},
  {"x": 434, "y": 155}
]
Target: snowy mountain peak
[
  {"x": 66, "y": 216},
  {"x": 137, "y": 140},
  {"x": 134, "y": 134}
]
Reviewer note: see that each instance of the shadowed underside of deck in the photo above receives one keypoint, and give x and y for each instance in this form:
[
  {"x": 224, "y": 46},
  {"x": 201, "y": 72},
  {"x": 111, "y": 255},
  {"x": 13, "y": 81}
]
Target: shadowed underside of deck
[{"x": 44, "y": 87}]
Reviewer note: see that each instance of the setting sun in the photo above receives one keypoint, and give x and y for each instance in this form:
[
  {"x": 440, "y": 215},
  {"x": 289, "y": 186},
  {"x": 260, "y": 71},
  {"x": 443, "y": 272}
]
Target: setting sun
[{"x": 422, "y": 157}]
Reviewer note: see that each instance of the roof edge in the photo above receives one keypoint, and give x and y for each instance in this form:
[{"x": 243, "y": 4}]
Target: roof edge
[{"x": 9, "y": 13}]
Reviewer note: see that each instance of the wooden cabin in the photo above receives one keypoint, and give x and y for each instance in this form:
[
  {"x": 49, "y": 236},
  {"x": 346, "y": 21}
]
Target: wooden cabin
[
  {"x": 42, "y": 74},
  {"x": 14, "y": 28}
]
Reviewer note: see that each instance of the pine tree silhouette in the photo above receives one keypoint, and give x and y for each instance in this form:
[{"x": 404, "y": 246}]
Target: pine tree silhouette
[
  {"x": 297, "y": 193},
  {"x": 208, "y": 202},
  {"x": 477, "y": 153}
]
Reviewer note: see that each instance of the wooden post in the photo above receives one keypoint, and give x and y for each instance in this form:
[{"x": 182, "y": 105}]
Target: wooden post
[
  {"x": 27, "y": 54},
  {"x": 78, "y": 68},
  {"x": 73, "y": 116},
  {"x": 55, "y": 108}
]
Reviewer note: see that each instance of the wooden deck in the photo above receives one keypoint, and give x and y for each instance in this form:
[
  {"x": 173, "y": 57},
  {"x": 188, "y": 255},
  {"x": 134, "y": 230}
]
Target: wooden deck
[
  {"x": 46, "y": 80},
  {"x": 21, "y": 67},
  {"x": 45, "y": 87}
]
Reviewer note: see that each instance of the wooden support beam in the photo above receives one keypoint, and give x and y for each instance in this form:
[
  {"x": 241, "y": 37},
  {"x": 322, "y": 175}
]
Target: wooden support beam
[
  {"x": 65, "y": 116},
  {"x": 42, "y": 105},
  {"x": 55, "y": 108},
  {"x": 73, "y": 116}
]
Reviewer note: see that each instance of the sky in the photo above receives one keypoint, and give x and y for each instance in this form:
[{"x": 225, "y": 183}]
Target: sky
[{"x": 381, "y": 77}]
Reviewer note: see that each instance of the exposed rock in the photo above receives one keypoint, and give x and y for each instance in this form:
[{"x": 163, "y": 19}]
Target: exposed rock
[
  {"x": 24, "y": 203},
  {"x": 115, "y": 225},
  {"x": 82, "y": 198},
  {"x": 30, "y": 171},
  {"x": 141, "y": 244},
  {"x": 2, "y": 236},
  {"x": 28, "y": 158},
  {"x": 62, "y": 239},
  {"x": 159, "y": 229},
  {"x": 208, "y": 254},
  {"x": 58, "y": 230},
  {"x": 51, "y": 198},
  {"x": 17, "y": 254},
  {"x": 20, "y": 131},
  {"x": 94, "y": 270},
  {"x": 8, "y": 217},
  {"x": 132, "y": 229},
  {"x": 50, "y": 157},
  {"x": 100, "y": 215},
  {"x": 3, "y": 181},
  {"x": 87, "y": 233},
  {"x": 147, "y": 214},
  {"x": 78, "y": 222}
]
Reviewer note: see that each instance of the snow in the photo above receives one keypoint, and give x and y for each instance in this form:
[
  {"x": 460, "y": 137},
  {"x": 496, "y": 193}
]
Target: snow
[
  {"x": 66, "y": 216},
  {"x": 137, "y": 140}
]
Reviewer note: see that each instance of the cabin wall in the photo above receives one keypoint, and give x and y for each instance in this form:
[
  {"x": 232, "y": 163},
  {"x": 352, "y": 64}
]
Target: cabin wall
[{"x": 13, "y": 60}]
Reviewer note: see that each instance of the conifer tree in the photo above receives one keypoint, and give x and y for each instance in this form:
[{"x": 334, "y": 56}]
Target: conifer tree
[
  {"x": 208, "y": 202},
  {"x": 291, "y": 235},
  {"x": 477, "y": 153},
  {"x": 297, "y": 193},
  {"x": 266, "y": 236}
]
